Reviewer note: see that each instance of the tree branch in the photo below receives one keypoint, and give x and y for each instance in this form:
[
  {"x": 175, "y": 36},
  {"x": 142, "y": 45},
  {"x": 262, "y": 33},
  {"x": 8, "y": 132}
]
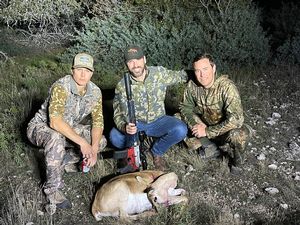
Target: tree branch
[{"x": 4, "y": 55}]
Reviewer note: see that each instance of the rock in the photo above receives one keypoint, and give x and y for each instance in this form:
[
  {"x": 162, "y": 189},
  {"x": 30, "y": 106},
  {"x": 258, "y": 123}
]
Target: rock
[
  {"x": 297, "y": 177},
  {"x": 294, "y": 146},
  {"x": 284, "y": 105},
  {"x": 271, "y": 121},
  {"x": 274, "y": 119},
  {"x": 261, "y": 157},
  {"x": 272, "y": 190},
  {"x": 190, "y": 168},
  {"x": 237, "y": 218},
  {"x": 284, "y": 205},
  {"x": 273, "y": 166},
  {"x": 276, "y": 115},
  {"x": 40, "y": 213}
]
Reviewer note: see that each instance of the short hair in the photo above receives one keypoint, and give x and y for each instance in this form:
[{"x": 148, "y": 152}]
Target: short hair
[{"x": 204, "y": 56}]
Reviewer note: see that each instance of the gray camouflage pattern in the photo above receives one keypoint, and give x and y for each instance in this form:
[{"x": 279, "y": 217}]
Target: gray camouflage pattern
[
  {"x": 54, "y": 145},
  {"x": 148, "y": 96},
  {"x": 77, "y": 109}
]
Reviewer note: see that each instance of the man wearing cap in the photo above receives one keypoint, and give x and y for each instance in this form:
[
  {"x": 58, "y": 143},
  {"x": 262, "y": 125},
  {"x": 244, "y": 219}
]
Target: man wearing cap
[
  {"x": 148, "y": 84},
  {"x": 58, "y": 125}
]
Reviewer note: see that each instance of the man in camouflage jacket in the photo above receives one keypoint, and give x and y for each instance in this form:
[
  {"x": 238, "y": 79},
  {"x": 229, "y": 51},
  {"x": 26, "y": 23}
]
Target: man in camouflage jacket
[
  {"x": 148, "y": 84},
  {"x": 213, "y": 111},
  {"x": 57, "y": 125}
]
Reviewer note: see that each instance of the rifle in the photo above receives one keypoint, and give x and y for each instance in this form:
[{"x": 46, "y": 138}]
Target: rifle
[{"x": 135, "y": 157}]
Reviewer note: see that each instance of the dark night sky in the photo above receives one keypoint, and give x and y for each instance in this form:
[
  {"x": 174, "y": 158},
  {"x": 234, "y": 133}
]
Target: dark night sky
[{"x": 268, "y": 4}]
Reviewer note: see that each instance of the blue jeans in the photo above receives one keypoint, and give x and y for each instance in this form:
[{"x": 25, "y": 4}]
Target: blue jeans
[{"x": 167, "y": 129}]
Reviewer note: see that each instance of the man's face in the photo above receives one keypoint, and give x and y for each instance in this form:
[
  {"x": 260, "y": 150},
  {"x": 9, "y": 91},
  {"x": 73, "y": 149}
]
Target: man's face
[
  {"x": 205, "y": 72},
  {"x": 137, "y": 67},
  {"x": 82, "y": 76}
]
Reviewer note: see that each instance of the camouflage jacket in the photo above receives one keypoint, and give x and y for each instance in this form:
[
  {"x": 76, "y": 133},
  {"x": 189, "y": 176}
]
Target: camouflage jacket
[
  {"x": 148, "y": 96},
  {"x": 219, "y": 107},
  {"x": 64, "y": 100}
]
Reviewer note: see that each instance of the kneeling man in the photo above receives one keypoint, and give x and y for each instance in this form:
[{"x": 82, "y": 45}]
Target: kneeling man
[{"x": 213, "y": 110}]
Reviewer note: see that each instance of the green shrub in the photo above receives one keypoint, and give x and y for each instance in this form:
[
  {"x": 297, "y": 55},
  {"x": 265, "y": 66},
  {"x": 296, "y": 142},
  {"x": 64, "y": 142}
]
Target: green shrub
[
  {"x": 229, "y": 30},
  {"x": 289, "y": 52}
]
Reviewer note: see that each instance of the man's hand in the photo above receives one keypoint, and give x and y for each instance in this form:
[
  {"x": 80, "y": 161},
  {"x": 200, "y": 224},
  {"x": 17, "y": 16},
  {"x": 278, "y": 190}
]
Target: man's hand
[
  {"x": 86, "y": 150},
  {"x": 198, "y": 130},
  {"x": 92, "y": 160},
  {"x": 131, "y": 128}
]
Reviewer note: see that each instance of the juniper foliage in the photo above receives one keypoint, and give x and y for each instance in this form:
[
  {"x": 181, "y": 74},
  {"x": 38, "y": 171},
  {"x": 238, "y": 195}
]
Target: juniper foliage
[{"x": 171, "y": 37}]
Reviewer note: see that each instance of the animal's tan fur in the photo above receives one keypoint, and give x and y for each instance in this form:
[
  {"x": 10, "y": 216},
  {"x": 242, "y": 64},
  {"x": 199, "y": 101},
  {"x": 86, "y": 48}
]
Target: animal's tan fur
[
  {"x": 163, "y": 192},
  {"x": 112, "y": 197}
]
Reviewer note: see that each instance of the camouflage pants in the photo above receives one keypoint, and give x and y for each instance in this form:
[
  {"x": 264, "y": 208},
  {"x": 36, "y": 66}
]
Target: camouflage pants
[
  {"x": 237, "y": 140},
  {"x": 54, "y": 145}
]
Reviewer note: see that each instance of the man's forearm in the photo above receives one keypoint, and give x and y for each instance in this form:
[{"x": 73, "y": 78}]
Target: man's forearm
[
  {"x": 58, "y": 124},
  {"x": 96, "y": 137}
]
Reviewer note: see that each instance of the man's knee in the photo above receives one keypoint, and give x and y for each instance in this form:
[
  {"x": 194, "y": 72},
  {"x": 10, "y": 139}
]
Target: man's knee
[
  {"x": 238, "y": 135},
  {"x": 117, "y": 138},
  {"x": 180, "y": 130}
]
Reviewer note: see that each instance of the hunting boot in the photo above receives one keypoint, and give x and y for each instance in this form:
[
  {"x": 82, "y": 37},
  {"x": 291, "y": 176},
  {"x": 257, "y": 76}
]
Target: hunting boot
[
  {"x": 56, "y": 200},
  {"x": 208, "y": 150},
  {"x": 238, "y": 161},
  {"x": 192, "y": 143}
]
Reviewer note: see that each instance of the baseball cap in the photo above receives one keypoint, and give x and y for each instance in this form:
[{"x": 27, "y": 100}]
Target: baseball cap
[
  {"x": 83, "y": 60},
  {"x": 133, "y": 52}
]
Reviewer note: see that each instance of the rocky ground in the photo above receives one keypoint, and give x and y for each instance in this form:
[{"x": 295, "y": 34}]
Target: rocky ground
[{"x": 266, "y": 192}]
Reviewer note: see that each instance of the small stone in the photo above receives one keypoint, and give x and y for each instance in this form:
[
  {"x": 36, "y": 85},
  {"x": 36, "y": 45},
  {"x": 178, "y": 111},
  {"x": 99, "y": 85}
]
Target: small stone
[
  {"x": 272, "y": 190},
  {"x": 190, "y": 168},
  {"x": 276, "y": 115},
  {"x": 185, "y": 175},
  {"x": 297, "y": 177},
  {"x": 273, "y": 166},
  {"x": 284, "y": 205},
  {"x": 271, "y": 122},
  {"x": 236, "y": 216},
  {"x": 40, "y": 213},
  {"x": 261, "y": 157}
]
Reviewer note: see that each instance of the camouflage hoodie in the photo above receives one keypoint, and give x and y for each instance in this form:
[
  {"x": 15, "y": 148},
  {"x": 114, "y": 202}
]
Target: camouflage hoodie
[
  {"x": 219, "y": 106},
  {"x": 148, "y": 96}
]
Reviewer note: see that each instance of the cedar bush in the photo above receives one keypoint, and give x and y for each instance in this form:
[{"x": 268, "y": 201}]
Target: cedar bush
[
  {"x": 289, "y": 52},
  {"x": 171, "y": 37}
]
